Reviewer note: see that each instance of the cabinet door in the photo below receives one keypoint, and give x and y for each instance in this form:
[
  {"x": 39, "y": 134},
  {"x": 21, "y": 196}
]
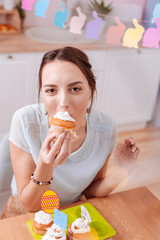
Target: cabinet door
[
  {"x": 97, "y": 59},
  {"x": 17, "y": 90},
  {"x": 130, "y": 84}
]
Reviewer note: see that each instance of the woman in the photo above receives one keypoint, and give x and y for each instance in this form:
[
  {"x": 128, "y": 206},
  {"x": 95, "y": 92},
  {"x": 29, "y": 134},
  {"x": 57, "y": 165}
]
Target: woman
[{"x": 66, "y": 83}]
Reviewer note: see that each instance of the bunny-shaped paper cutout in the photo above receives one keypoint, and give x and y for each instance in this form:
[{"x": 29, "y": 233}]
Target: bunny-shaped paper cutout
[
  {"x": 151, "y": 37},
  {"x": 85, "y": 214},
  {"x": 41, "y": 8},
  {"x": 27, "y": 4},
  {"x": 115, "y": 33},
  {"x": 132, "y": 36},
  {"x": 77, "y": 22},
  {"x": 93, "y": 27},
  {"x": 156, "y": 12},
  {"x": 61, "y": 17}
]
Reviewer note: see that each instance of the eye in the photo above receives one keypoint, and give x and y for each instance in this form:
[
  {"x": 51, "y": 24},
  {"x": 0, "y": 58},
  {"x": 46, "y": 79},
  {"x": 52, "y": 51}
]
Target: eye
[
  {"x": 50, "y": 91},
  {"x": 76, "y": 89}
]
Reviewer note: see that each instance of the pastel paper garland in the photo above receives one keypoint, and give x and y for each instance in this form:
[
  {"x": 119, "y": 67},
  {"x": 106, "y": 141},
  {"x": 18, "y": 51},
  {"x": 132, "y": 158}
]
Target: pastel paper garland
[{"x": 116, "y": 35}]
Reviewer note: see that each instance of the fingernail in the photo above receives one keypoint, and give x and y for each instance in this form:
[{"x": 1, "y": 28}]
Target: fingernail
[
  {"x": 122, "y": 142},
  {"x": 68, "y": 135},
  {"x": 130, "y": 139},
  {"x": 133, "y": 149},
  {"x": 53, "y": 134}
]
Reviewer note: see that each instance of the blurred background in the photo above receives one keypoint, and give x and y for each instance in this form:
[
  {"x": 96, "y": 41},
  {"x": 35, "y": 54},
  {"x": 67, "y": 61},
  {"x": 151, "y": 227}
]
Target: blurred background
[{"x": 127, "y": 78}]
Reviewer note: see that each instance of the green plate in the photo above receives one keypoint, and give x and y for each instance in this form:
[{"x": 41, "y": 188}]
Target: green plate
[{"x": 100, "y": 228}]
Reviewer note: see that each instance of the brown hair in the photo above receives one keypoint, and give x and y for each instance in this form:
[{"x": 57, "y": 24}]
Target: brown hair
[{"x": 76, "y": 56}]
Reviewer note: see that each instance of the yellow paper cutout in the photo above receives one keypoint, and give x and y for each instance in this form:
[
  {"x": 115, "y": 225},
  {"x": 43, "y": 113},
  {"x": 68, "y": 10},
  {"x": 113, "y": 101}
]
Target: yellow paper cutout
[{"x": 132, "y": 36}]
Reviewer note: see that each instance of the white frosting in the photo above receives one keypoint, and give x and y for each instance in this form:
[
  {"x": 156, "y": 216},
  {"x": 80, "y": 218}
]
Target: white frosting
[
  {"x": 64, "y": 116},
  {"x": 43, "y": 218},
  {"x": 81, "y": 224},
  {"x": 53, "y": 232}
]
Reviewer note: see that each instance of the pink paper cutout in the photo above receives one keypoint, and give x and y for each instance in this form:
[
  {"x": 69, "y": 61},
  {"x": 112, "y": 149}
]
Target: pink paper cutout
[
  {"x": 115, "y": 33},
  {"x": 93, "y": 27},
  {"x": 132, "y": 36},
  {"x": 77, "y": 22},
  {"x": 41, "y": 8},
  {"x": 27, "y": 4},
  {"x": 151, "y": 36}
]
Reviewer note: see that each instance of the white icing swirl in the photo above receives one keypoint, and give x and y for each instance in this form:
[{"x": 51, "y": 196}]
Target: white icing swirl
[
  {"x": 81, "y": 224},
  {"x": 43, "y": 218},
  {"x": 54, "y": 232},
  {"x": 64, "y": 116}
]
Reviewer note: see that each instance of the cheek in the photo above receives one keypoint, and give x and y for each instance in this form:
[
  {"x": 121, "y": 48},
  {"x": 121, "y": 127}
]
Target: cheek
[
  {"x": 50, "y": 105},
  {"x": 80, "y": 107}
]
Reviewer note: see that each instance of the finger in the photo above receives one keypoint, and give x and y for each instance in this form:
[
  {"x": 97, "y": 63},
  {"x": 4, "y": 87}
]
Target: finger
[
  {"x": 137, "y": 151},
  {"x": 135, "y": 154},
  {"x": 46, "y": 144},
  {"x": 123, "y": 141},
  {"x": 134, "y": 147},
  {"x": 64, "y": 151},
  {"x": 128, "y": 141},
  {"x": 132, "y": 141},
  {"x": 55, "y": 150}
]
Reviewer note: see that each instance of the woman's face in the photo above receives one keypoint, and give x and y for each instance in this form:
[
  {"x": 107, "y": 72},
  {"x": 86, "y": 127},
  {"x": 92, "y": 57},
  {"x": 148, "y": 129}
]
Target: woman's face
[{"x": 65, "y": 88}]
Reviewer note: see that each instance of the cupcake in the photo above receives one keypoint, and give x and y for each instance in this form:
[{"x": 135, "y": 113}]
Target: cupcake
[
  {"x": 54, "y": 233},
  {"x": 79, "y": 230},
  {"x": 61, "y": 122},
  {"x": 41, "y": 222}
]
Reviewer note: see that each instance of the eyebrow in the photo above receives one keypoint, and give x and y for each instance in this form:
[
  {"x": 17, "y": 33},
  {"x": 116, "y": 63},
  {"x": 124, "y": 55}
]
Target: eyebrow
[{"x": 69, "y": 85}]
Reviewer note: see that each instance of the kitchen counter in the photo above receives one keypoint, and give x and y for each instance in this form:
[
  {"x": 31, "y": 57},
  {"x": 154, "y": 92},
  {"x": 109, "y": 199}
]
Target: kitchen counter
[
  {"x": 15, "y": 43},
  {"x": 134, "y": 214},
  {"x": 19, "y": 42}
]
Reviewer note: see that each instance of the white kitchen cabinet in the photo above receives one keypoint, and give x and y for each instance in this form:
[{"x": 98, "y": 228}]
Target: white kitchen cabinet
[
  {"x": 17, "y": 88},
  {"x": 128, "y": 86}
]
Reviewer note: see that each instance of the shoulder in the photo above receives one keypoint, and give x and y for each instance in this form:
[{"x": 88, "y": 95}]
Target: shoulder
[
  {"x": 100, "y": 121},
  {"x": 30, "y": 114}
]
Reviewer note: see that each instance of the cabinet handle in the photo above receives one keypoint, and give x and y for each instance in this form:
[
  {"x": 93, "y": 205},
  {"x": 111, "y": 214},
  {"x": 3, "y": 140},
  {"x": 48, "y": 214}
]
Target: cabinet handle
[{"x": 10, "y": 57}]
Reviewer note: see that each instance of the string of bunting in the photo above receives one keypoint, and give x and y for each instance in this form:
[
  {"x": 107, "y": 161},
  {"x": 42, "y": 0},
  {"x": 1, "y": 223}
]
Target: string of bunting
[{"x": 115, "y": 35}]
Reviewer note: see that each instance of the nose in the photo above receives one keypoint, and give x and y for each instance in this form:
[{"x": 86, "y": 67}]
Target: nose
[{"x": 64, "y": 101}]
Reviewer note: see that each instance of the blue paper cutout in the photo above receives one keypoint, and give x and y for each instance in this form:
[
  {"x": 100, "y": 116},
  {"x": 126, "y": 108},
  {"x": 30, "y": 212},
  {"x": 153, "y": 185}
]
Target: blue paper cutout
[
  {"x": 156, "y": 12},
  {"x": 61, "y": 17},
  {"x": 93, "y": 27},
  {"x": 41, "y": 8},
  {"x": 60, "y": 219}
]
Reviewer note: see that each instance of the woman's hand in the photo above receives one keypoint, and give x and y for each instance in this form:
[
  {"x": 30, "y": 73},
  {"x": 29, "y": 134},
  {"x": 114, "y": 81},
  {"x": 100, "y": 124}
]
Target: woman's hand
[
  {"x": 58, "y": 153},
  {"x": 126, "y": 154}
]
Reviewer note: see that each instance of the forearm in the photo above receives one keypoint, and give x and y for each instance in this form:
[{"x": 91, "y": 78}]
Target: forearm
[
  {"x": 105, "y": 186},
  {"x": 31, "y": 194}
]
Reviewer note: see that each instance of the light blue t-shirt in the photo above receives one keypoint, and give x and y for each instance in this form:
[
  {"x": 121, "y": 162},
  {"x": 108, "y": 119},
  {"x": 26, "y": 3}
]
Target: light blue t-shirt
[{"x": 29, "y": 128}]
